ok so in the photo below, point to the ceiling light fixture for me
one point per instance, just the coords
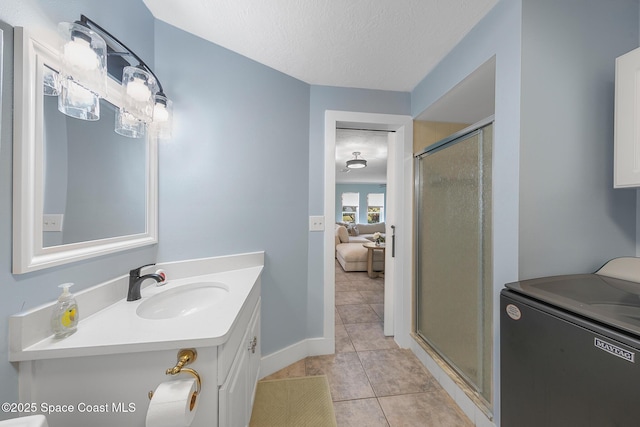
(356, 163)
(89, 53)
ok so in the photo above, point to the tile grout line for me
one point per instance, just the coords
(363, 368)
(371, 385)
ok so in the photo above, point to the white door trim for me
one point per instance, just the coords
(400, 311)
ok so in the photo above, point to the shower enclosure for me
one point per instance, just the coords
(453, 253)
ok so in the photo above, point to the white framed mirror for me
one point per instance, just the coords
(80, 190)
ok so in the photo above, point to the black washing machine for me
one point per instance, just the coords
(570, 349)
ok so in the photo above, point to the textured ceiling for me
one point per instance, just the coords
(370, 44)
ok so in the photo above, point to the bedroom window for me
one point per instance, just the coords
(375, 208)
(350, 203)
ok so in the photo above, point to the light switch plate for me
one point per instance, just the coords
(316, 223)
(52, 222)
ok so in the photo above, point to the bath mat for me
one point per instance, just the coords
(293, 402)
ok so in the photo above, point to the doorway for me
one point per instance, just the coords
(399, 212)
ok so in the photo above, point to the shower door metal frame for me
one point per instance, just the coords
(437, 146)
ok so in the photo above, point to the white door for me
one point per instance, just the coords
(390, 219)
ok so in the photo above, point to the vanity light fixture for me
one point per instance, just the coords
(356, 163)
(89, 53)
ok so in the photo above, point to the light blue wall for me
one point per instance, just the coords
(232, 179)
(341, 99)
(571, 218)
(363, 190)
(29, 290)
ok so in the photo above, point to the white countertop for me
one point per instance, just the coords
(118, 329)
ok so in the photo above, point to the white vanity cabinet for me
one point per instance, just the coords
(101, 375)
(238, 383)
(627, 121)
(112, 389)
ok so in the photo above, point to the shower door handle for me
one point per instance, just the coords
(393, 241)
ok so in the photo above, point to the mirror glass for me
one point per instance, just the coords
(80, 189)
(94, 179)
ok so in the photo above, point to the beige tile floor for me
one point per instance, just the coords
(373, 381)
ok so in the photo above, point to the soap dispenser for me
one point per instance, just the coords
(64, 320)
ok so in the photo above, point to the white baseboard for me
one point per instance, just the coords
(320, 346)
(295, 352)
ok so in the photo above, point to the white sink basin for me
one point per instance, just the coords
(30, 421)
(183, 301)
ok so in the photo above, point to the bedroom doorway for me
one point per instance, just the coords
(398, 213)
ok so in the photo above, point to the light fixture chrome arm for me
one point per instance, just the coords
(122, 50)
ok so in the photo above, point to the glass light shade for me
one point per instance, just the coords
(51, 84)
(162, 117)
(77, 101)
(139, 88)
(356, 163)
(129, 126)
(84, 58)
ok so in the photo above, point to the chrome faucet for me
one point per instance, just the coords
(135, 280)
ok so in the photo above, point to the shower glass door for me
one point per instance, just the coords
(454, 277)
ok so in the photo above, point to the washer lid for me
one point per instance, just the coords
(625, 268)
(609, 300)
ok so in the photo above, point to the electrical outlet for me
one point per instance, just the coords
(52, 222)
(316, 223)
